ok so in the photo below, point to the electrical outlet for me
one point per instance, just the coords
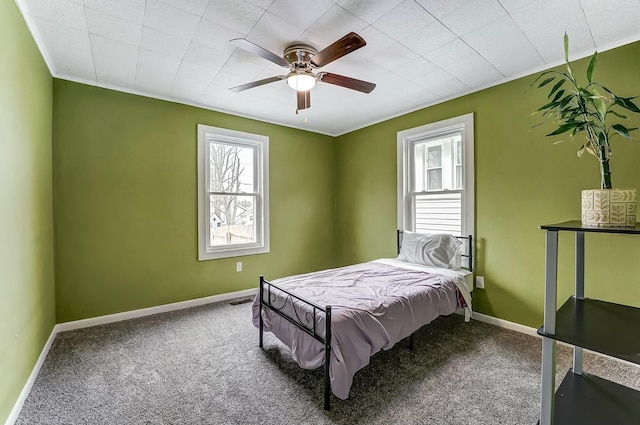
(239, 266)
(480, 282)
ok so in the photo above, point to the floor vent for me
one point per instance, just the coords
(243, 301)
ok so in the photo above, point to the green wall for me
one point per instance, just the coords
(26, 224)
(125, 199)
(523, 180)
(126, 203)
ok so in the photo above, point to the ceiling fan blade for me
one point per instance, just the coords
(348, 82)
(250, 47)
(304, 100)
(257, 83)
(345, 45)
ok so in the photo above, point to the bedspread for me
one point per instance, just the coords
(374, 305)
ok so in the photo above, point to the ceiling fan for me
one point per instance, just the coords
(302, 60)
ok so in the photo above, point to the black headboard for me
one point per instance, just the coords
(467, 254)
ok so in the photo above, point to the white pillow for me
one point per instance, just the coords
(441, 250)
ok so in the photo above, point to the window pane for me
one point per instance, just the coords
(458, 176)
(231, 168)
(458, 150)
(434, 179)
(419, 177)
(438, 213)
(434, 156)
(231, 219)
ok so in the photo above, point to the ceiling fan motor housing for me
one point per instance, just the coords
(299, 56)
(300, 76)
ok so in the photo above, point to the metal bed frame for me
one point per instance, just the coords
(309, 329)
(307, 323)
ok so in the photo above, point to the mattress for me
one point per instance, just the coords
(374, 305)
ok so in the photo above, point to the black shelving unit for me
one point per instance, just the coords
(604, 327)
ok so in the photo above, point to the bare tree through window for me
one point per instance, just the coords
(232, 194)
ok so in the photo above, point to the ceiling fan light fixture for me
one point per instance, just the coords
(303, 81)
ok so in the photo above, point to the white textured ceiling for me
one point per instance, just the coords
(418, 52)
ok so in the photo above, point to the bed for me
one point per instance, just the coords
(339, 318)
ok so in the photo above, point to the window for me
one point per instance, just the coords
(435, 177)
(233, 193)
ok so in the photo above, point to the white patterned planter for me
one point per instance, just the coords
(609, 207)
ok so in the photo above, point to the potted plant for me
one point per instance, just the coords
(590, 110)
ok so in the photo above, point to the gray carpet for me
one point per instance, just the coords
(203, 366)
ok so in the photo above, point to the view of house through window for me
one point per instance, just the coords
(435, 179)
(232, 193)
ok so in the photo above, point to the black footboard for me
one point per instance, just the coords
(302, 314)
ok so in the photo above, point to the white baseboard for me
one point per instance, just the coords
(133, 314)
(504, 324)
(17, 407)
(533, 332)
(111, 318)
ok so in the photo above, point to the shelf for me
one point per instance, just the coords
(599, 326)
(590, 400)
(576, 226)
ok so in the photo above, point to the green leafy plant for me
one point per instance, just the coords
(587, 109)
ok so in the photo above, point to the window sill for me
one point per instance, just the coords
(231, 252)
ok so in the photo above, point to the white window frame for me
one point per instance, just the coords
(407, 139)
(261, 178)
